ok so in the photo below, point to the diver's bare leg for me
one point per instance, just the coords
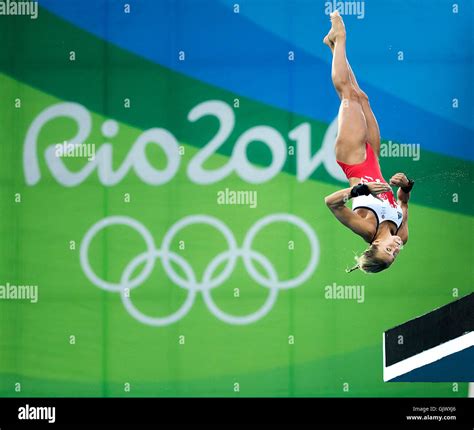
(352, 125)
(373, 130)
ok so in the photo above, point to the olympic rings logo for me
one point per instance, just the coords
(208, 282)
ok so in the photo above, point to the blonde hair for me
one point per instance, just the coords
(368, 262)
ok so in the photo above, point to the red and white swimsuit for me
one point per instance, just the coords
(369, 171)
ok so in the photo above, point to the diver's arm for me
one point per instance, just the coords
(336, 202)
(405, 186)
(338, 199)
(403, 230)
(403, 194)
(403, 197)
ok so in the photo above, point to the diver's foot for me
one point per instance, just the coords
(338, 29)
(329, 43)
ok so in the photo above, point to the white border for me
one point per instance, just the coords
(426, 357)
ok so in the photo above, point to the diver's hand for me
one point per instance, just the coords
(377, 188)
(399, 180)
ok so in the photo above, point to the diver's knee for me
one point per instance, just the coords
(362, 96)
(350, 95)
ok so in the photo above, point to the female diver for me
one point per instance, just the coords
(375, 216)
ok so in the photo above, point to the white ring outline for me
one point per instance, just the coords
(157, 321)
(244, 319)
(269, 219)
(199, 219)
(105, 222)
(192, 285)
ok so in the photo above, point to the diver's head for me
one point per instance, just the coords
(379, 256)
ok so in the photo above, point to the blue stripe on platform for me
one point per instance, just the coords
(457, 367)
